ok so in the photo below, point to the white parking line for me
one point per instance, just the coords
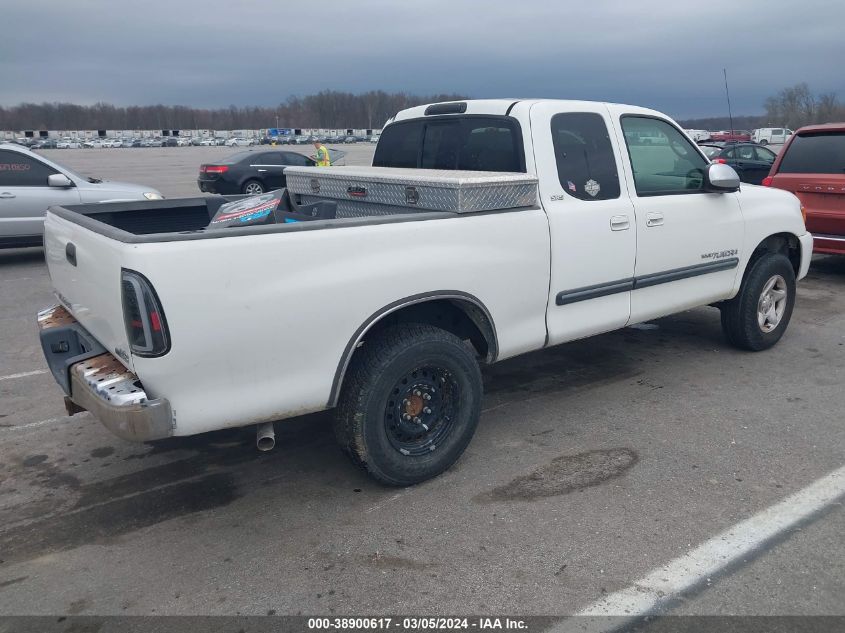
(664, 584)
(24, 374)
(385, 502)
(32, 425)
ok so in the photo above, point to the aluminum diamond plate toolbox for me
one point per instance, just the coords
(426, 189)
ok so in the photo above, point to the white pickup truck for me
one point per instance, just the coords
(166, 328)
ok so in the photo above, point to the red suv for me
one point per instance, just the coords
(812, 166)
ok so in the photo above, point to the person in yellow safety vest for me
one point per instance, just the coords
(321, 158)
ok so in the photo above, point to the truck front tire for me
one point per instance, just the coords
(410, 403)
(758, 316)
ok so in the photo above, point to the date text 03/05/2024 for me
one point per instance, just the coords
(417, 623)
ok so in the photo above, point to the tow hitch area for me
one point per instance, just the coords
(96, 381)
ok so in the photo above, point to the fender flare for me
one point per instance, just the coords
(486, 326)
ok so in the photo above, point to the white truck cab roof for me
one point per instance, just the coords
(506, 106)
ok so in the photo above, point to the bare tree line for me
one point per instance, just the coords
(327, 109)
(792, 107)
(796, 106)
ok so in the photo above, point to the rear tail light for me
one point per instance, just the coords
(721, 161)
(216, 169)
(146, 327)
(767, 181)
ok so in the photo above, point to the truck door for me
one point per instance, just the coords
(688, 242)
(591, 219)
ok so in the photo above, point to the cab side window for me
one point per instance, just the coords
(18, 170)
(663, 160)
(586, 163)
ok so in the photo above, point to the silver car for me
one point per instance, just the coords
(29, 183)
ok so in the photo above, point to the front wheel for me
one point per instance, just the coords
(764, 142)
(758, 316)
(410, 403)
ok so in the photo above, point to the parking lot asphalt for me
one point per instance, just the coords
(174, 170)
(595, 463)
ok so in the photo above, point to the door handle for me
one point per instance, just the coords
(262, 170)
(619, 223)
(6, 195)
(653, 219)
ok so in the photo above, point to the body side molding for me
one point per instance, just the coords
(645, 281)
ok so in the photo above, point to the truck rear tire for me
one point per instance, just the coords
(410, 403)
(758, 316)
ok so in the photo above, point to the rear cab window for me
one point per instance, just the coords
(472, 142)
(815, 153)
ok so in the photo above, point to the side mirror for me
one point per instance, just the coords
(59, 180)
(720, 178)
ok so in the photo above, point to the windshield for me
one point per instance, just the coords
(75, 175)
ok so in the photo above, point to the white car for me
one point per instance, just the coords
(698, 135)
(208, 142)
(94, 143)
(239, 142)
(29, 183)
(68, 143)
(550, 221)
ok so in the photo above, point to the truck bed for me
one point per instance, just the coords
(362, 195)
(187, 218)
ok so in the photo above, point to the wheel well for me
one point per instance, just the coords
(462, 318)
(784, 243)
(466, 318)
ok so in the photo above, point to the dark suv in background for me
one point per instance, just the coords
(812, 166)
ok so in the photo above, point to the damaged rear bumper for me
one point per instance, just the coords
(96, 381)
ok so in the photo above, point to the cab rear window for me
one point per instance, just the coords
(815, 154)
(478, 143)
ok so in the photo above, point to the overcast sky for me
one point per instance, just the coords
(665, 54)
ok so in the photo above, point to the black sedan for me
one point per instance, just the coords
(752, 162)
(251, 173)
